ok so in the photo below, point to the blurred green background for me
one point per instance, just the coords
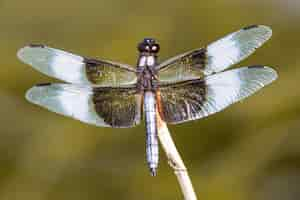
(249, 151)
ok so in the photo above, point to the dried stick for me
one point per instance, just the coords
(175, 160)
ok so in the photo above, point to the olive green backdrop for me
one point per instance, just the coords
(249, 151)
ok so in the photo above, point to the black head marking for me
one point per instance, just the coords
(148, 45)
(250, 27)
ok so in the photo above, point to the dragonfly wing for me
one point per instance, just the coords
(76, 69)
(195, 99)
(107, 107)
(216, 57)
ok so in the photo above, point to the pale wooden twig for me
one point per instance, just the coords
(175, 160)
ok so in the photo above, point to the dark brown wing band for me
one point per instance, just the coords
(118, 107)
(182, 101)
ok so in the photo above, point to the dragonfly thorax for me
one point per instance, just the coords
(146, 72)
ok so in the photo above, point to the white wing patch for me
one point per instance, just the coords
(219, 53)
(68, 67)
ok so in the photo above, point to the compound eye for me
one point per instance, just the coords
(147, 48)
(141, 47)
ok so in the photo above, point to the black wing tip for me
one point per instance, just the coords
(264, 27)
(43, 84)
(36, 45)
(256, 67)
(251, 27)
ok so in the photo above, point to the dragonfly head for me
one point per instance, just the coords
(148, 45)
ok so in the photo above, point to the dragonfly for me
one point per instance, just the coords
(186, 87)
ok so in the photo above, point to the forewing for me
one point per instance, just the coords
(76, 69)
(216, 57)
(195, 99)
(107, 107)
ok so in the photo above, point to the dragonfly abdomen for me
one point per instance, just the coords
(151, 131)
